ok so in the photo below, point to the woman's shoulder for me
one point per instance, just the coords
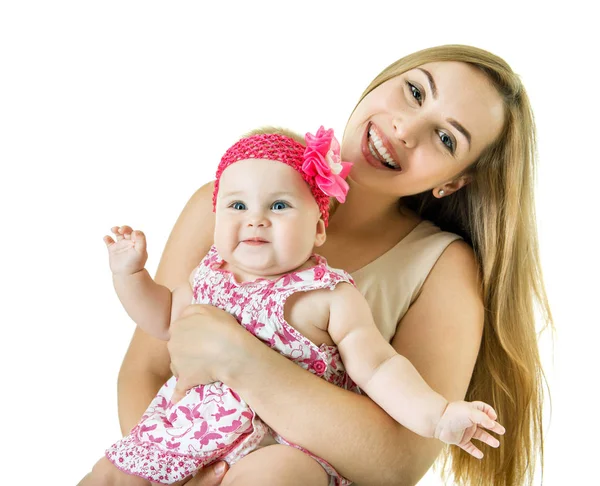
(456, 272)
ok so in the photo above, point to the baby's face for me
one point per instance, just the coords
(267, 221)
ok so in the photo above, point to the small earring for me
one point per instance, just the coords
(441, 192)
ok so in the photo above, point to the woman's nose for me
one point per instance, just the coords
(407, 130)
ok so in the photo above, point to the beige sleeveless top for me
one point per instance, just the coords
(392, 282)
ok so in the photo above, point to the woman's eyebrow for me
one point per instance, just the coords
(461, 129)
(432, 85)
(452, 122)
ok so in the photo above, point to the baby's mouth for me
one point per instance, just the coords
(379, 151)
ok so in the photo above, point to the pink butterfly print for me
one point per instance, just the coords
(235, 425)
(163, 403)
(166, 422)
(172, 445)
(214, 393)
(254, 326)
(202, 436)
(285, 336)
(245, 301)
(312, 359)
(233, 300)
(147, 428)
(248, 414)
(222, 413)
(228, 286)
(290, 278)
(191, 414)
(269, 307)
(156, 440)
(200, 391)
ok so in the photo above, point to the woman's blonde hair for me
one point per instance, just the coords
(495, 213)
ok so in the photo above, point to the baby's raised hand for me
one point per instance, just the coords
(463, 421)
(127, 255)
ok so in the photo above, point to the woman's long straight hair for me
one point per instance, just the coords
(495, 213)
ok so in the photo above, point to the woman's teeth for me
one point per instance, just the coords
(378, 151)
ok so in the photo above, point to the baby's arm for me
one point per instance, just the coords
(151, 306)
(391, 380)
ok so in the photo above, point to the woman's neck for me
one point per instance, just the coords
(366, 212)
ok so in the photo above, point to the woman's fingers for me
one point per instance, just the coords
(210, 475)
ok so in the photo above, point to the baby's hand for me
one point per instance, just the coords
(127, 255)
(463, 421)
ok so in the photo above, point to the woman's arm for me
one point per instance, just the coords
(440, 335)
(146, 365)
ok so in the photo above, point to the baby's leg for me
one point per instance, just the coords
(276, 465)
(104, 473)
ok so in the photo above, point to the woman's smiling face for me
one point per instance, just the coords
(422, 128)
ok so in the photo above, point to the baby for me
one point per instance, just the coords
(271, 200)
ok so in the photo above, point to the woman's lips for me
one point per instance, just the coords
(369, 157)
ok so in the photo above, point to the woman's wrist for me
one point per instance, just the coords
(237, 355)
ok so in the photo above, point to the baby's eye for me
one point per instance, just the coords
(238, 206)
(279, 205)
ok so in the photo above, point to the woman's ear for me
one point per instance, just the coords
(452, 186)
(321, 236)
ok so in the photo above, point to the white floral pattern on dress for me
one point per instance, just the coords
(212, 422)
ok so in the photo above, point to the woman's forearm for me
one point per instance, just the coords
(348, 430)
(135, 391)
(144, 370)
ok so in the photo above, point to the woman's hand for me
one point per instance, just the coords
(206, 344)
(209, 476)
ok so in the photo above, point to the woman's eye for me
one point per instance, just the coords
(238, 206)
(279, 205)
(447, 141)
(416, 92)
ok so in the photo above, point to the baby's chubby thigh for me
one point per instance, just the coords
(276, 465)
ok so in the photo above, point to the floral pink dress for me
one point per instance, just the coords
(212, 422)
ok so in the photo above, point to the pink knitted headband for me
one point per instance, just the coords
(318, 163)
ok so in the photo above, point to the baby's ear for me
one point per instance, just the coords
(321, 236)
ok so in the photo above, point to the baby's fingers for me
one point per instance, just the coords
(483, 420)
(471, 449)
(139, 240)
(122, 232)
(485, 408)
(486, 438)
(108, 241)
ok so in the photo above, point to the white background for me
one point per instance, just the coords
(114, 112)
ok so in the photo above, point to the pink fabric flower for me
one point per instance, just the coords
(323, 162)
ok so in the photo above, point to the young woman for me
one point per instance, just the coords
(438, 232)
